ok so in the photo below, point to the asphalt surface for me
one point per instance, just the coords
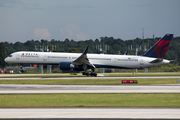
(87, 113)
(100, 77)
(11, 88)
(135, 113)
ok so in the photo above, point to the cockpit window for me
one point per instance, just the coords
(10, 55)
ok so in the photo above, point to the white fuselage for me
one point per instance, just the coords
(98, 60)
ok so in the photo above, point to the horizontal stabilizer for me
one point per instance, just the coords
(158, 60)
(171, 61)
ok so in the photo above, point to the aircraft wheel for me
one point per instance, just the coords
(94, 74)
(83, 73)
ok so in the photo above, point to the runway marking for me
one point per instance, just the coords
(167, 113)
(10, 88)
(71, 78)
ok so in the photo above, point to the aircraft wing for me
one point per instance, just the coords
(83, 60)
(126, 53)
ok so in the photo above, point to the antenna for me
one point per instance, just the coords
(143, 37)
(143, 33)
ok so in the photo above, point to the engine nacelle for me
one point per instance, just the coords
(66, 66)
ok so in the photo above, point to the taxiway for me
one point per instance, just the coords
(14, 88)
(150, 113)
(100, 77)
(134, 113)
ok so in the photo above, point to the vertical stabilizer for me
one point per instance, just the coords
(160, 48)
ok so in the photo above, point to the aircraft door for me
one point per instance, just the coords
(18, 57)
(115, 60)
(141, 62)
(45, 57)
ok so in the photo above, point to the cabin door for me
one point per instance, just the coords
(141, 62)
(115, 60)
(45, 57)
(18, 57)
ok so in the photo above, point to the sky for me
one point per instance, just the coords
(22, 20)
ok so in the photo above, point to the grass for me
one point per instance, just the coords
(145, 74)
(106, 74)
(89, 100)
(91, 81)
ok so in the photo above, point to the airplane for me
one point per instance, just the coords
(84, 62)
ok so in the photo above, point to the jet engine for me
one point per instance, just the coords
(66, 66)
(69, 66)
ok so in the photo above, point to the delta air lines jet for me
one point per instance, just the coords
(84, 61)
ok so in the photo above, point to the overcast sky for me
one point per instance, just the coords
(22, 20)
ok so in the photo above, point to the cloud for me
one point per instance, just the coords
(42, 33)
(72, 31)
(82, 36)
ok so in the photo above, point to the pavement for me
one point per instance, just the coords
(104, 113)
(135, 113)
(100, 77)
(15, 88)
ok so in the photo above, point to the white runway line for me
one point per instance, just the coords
(10, 88)
(168, 113)
(71, 78)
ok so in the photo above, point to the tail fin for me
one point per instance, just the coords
(160, 48)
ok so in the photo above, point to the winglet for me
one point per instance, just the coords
(85, 51)
(126, 53)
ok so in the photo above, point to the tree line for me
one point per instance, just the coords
(107, 45)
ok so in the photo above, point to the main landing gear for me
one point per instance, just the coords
(89, 74)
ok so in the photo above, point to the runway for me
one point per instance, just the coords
(100, 77)
(12, 89)
(127, 113)
(142, 113)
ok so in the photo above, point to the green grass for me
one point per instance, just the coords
(91, 81)
(106, 74)
(145, 74)
(89, 100)
(39, 75)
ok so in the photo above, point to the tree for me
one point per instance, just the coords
(2, 54)
(73, 50)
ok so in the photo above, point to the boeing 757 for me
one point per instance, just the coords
(84, 62)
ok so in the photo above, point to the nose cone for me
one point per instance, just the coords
(6, 60)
